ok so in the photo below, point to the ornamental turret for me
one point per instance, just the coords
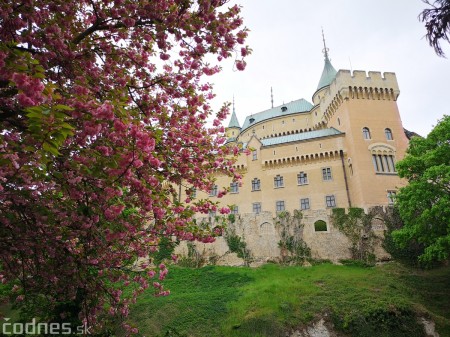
(233, 128)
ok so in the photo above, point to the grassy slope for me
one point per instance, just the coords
(267, 301)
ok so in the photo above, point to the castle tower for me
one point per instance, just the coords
(364, 107)
(233, 128)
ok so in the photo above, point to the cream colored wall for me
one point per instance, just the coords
(322, 153)
(293, 123)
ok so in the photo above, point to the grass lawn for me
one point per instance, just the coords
(270, 300)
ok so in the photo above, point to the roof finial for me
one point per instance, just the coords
(271, 96)
(325, 49)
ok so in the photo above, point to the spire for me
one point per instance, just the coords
(234, 123)
(325, 49)
(328, 73)
(271, 95)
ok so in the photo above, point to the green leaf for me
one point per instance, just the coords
(63, 107)
(50, 148)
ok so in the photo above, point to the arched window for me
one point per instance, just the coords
(388, 134)
(366, 133)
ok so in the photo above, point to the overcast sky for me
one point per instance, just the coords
(381, 35)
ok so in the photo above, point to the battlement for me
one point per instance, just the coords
(360, 78)
(358, 84)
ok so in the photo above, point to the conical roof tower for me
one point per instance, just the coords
(233, 128)
(328, 73)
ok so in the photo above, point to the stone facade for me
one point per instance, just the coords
(262, 234)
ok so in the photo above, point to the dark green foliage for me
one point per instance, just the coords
(194, 259)
(424, 204)
(165, 249)
(320, 226)
(357, 226)
(381, 322)
(237, 245)
(262, 326)
(293, 249)
(407, 254)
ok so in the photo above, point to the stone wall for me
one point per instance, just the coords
(262, 235)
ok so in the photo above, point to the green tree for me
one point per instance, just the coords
(424, 204)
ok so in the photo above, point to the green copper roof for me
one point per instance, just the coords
(300, 136)
(234, 123)
(299, 105)
(328, 74)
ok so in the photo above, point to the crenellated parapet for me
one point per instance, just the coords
(357, 85)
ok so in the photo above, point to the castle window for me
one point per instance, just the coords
(388, 134)
(320, 226)
(278, 181)
(256, 184)
(234, 187)
(366, 133)
(256, 207)
(213, 191)
(251, 120)
(339, 121)
(255, 154)
(391, 197)
(302, 178)
(279, 206)
(383, 163)
(326, 174)
(283, 108)
(193, 193)
(304, 204)
(234, 209)
(330, 201)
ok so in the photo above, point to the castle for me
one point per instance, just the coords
(338, 151)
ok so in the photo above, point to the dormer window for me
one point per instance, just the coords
(283, 108)
(251, 120)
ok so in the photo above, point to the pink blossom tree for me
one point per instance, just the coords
(103, 110)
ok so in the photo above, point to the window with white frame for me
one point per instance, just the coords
(256, 184)
(255, 154)
(256, 207)
(279, 206)
(326, 174)
(302, 178)
(278, 181)
(330, 201)
(366, 133)
(234, 187)
(234, 209)
(304, 203)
